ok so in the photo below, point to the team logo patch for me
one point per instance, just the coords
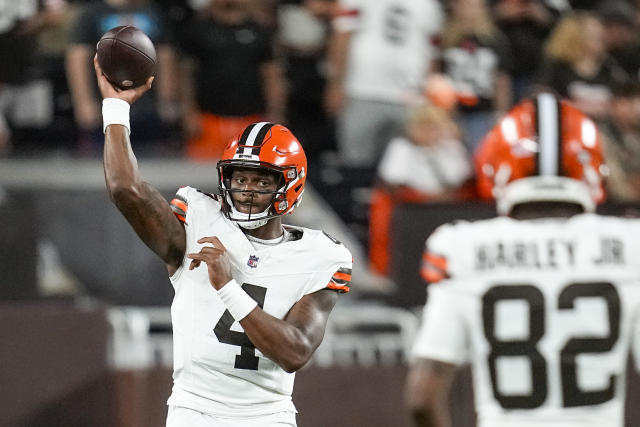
(253, 261)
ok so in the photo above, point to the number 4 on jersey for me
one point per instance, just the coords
(247, 358)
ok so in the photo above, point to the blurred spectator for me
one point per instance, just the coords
(303, 37)
(25, 93)
(380, 53)
(576, 65)
(265, 12)
(589, 5)
(231, 77)
(621, 36)
(526, 25)
(96, 19)
(622, 143)
(179, 12)
(428, 163)
(476, 57)
(441, 92)
(52, 47)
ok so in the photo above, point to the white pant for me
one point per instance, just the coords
(184, 417)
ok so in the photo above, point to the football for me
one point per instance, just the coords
(127, 56)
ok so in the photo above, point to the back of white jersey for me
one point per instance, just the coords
(391, 46)
(544, 310)
(217, 369)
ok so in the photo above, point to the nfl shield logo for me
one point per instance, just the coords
(253, 261)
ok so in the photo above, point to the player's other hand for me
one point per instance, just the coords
(109, 91)
(217, 260)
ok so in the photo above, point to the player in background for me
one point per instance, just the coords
(542, 301)
(252, 295)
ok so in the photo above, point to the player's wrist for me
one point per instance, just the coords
(238, 302)
(115, 111)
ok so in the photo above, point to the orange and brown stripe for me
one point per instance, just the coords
(434, 268)
(340, 280)
(179, 207)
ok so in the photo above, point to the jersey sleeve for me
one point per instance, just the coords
(188, 196)
(334, 272)
(340, 280)
(443, 334)
(180, 205)
(436, 264)
(191, 207)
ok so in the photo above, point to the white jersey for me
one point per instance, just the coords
(545, 311)
(217, 370)
(391, 46)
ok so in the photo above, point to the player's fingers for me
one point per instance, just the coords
(150, 82)
(208, 239)
(194, 264)
(96, 65)
(219, 243)
(208, 250)
(215, 242)
(199, 256)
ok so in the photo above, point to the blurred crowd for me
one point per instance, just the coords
(401, 91)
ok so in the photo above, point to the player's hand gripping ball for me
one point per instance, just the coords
(127, 57)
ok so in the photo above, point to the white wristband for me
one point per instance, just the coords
(115, 112)
(238, 302)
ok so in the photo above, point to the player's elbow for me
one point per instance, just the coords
(294, 362)
(297, 357)
(123, 194)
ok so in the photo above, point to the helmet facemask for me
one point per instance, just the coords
(278, 196)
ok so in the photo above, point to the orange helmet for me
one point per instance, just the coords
(544, 149)
(272, 148)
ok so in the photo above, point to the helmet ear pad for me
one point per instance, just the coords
(547, 139)
(274, 149)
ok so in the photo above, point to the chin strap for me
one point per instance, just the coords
(242, 219)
